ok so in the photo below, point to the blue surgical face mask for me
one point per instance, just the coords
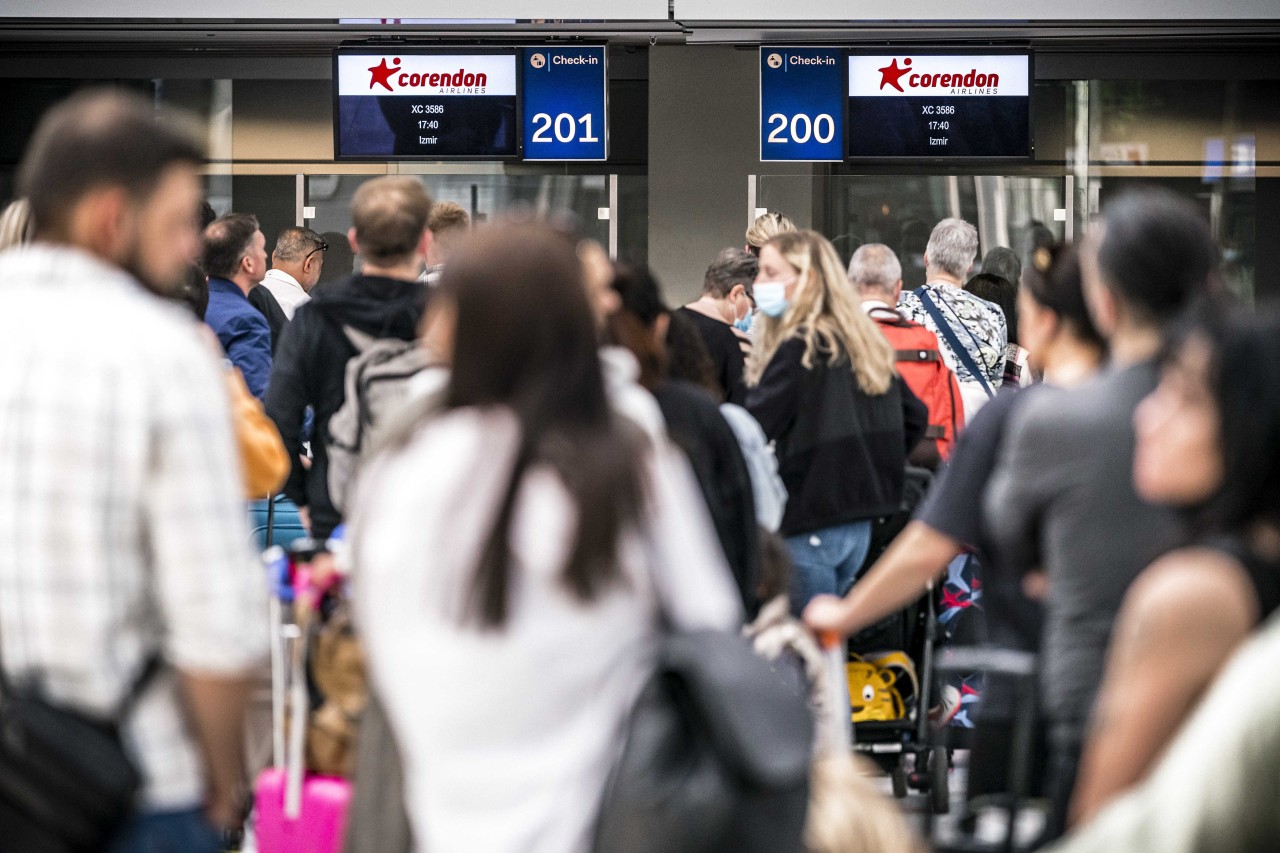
(743, 323)
(771, 297)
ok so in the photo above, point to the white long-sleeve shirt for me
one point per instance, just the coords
(508, 736)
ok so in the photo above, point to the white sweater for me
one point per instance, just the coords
(508, 736)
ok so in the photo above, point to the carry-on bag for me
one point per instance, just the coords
(295, 811)
(66, 783)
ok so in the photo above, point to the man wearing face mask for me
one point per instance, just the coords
(723, 315)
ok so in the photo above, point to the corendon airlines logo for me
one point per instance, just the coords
(892, 75)
(383, 75)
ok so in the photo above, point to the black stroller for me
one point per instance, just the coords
(915, 631)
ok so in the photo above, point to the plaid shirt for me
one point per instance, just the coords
(122, 531)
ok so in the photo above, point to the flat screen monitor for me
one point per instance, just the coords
(935, 105)
(426, 104)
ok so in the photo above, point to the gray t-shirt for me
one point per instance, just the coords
(1062, 500)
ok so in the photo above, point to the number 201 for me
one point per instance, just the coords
(802, 128)
(565, 127)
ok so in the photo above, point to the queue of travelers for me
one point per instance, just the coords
(577, 473)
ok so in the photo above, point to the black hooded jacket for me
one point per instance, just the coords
(310, 367)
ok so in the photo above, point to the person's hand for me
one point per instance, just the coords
(304, 515)
(1035, 586)
(324, 570)
(224, 810)
(826, 613)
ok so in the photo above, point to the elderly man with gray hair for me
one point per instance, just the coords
(296, 263)
(971, 331)
(877, 274)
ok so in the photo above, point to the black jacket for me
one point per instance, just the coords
(265, 302)
(841, 453)
(310, 369)
(697, 427)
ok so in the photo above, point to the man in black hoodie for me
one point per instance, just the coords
(389, 232)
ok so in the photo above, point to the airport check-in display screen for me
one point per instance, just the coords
(492, 104)
(893, 106)
(427, 105)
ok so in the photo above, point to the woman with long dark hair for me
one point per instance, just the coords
(1208, 443)
(823, 384)
(510, 556)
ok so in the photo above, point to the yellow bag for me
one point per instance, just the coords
(875, 692)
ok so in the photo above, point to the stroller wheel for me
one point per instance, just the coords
(899, 778)
(939, 785)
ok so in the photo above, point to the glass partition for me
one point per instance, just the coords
(900, 210)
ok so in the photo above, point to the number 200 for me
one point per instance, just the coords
(821, 128)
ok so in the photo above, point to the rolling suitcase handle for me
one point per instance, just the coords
(841, 709)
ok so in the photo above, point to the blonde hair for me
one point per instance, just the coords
(767, 226)
(16, 225)
(848, 814)
(827, 314)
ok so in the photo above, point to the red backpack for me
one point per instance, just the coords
(926, 374)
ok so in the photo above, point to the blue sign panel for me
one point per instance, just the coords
(565, 112)
(802, 102)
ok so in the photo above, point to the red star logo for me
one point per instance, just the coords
(891, 74)
(381, 73)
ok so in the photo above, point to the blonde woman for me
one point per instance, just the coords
(767, 226)
(16, 225)
(823, 385)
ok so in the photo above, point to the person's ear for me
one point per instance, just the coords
(352, 241)
(104, 221)
(424, 244)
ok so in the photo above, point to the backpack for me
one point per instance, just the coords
(380, 378)
(921, 366)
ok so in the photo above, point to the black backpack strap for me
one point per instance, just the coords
(150, 669)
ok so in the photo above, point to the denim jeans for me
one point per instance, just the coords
(168, 832)
(826, 561)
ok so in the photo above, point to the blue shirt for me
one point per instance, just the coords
(243, 332)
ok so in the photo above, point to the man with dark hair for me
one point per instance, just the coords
(386, 300)
(722, 316)
(1063, 493)
(1004, 262)
(233, 255)
(449, 223)
(125, 566)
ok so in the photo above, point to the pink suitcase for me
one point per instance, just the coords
(294, 811)
(322, 817)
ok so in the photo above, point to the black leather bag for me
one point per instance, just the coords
(66, 782)
(716, 756)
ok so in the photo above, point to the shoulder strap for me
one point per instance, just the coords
(150, 669)
(950, 334)
(141, 682)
